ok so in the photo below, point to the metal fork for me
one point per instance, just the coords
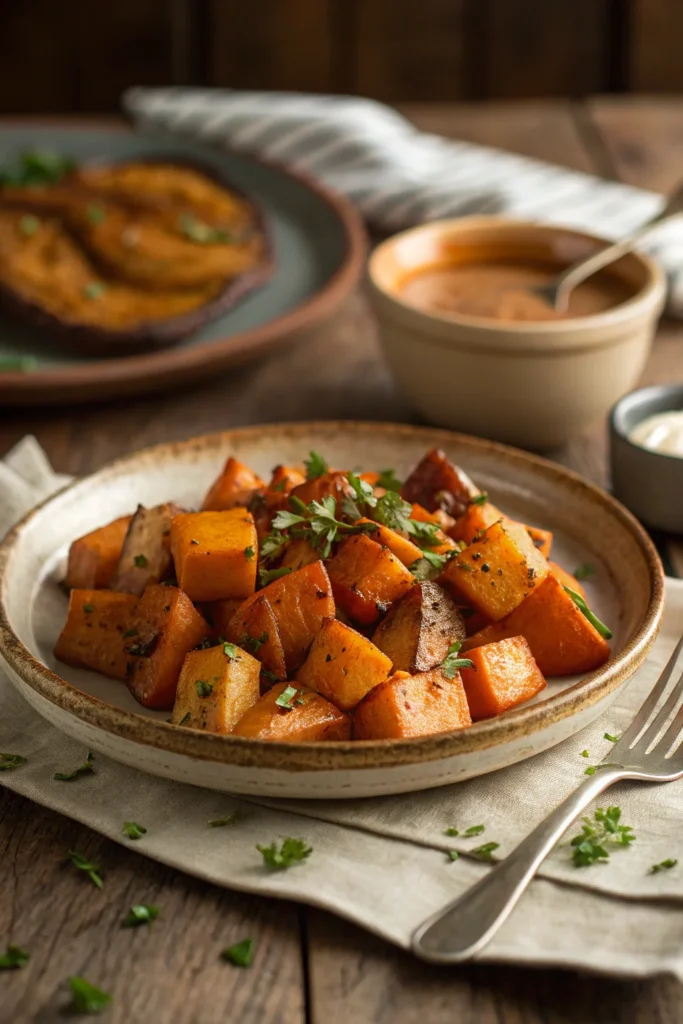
(465, 926)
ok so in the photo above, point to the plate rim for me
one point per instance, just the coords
(338, 755)
(154, 370)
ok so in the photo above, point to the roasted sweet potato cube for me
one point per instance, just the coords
(474, 520)
(562, 640)
(543, 539)
(216, 687)
(95, 633)
(416, 705)
(218, 614)
(403, 549)
(257, 631)
(436, 483)
(236, 486)
(497, 571)
(300, 602)
(94, 557)
(335, 483)
(566, 579)
(299, 553)
(419, 629)
(285, 478)
(168, 626)
(306, 717)
(366, 579)
(215, 554)
(146, 553)
(444, 543)
(343, 665)
(504, 675)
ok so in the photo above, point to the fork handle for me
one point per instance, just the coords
(465, 926)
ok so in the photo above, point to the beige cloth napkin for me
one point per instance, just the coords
(383, 862)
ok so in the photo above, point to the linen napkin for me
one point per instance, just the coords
(399, 176)
(384, 863)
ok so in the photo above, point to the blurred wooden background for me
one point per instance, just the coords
(79, 55)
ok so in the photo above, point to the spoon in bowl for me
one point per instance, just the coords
(556, 292)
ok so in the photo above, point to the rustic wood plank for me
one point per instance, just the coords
(409, 51)
(171, 971)
(655, 46)
(81, 62)
(270, 45)
(355, 977)
(643, 137)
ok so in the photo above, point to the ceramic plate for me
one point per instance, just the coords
(319, 247)
(589, 526)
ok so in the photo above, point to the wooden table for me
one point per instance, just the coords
(309, 967)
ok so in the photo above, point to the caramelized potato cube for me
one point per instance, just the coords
(215, 689)
(418, 705)
(146, 553)
(94, 557)
(94, 634)
(307, 718)
(257, 631)
(562, 640)
(497, 571)
(236, 486)
(168, 627)
(215, 554)
(342, 665)
(475, 520)
(403, 549)
(300, 601)
(436, 483)
(366, 579)
(419, 629)
(504, 675)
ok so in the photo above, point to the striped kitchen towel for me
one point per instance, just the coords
(398, 176)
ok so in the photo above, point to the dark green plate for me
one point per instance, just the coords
(319, 247)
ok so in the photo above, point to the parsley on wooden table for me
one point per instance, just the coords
(83, 769)
(86, 997)
(451, 663)
(291, 851)
(10, 761)
(132, 830)
(88, 867)
(241, 954)
(139, 914)
(13, 958)
(597, 834)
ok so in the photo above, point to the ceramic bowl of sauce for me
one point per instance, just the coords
(475, 349)
(646, 455)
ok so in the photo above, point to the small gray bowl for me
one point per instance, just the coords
(648, 483)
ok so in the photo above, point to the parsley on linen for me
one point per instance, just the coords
(291, 851)
(664, 865)
(83, 769)
(229, 819)
(597, 834)
(484, 852)
(10, 761)
(132, 830)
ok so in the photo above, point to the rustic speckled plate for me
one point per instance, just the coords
(627, 591)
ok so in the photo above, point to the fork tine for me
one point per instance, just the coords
(660, 719)
(671, 735)
(640, 721)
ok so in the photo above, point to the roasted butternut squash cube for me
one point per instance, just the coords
(400, 546)
(543, 539)
(418, 705)
(257, 631)
(566, 579)
(167, 627)
(419, 629)
(335, 483)
(299, 553)
(562, 640)
(504, 674)
(215, 554)
(497, 571)
(146, 553)
(366, 579)
(94, 557)
(475, 520)
(285, 478)
(444, 544)
(96, 632)
(300, 601)
(216, 687)
(436, 483)
(306, 718)
(342, 665)
(235, 487)
(218, 614)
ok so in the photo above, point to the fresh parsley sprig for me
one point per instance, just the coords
(291, 851)
(132, 830)
(315, 466)
(451, 663)
(597, 834)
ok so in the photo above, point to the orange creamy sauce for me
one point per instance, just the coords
(502, 291)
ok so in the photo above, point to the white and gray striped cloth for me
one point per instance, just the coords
(398, 176)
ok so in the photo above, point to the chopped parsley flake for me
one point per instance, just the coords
(87, 608)
(474, 830)
(83, 769)
(583, 572)
(229, 819)
(453, 854)
(585, 753)
(249, 552)
(253, 643)
(28, 225)
(480, 499)
(485, 851)
(94, 290)
(597, 834)
(10, 761)
(664, 865)
(612, 739)
(88, 867)
(602, 629)
(132, 830)
(286, 698)
(203, 688)
(87, 998)
(96, 213)
(139, 914)
(266, 576)
(13, 958)
(451, 663)
(185, 719)
(141, 561)
(292, 851)
(229, 650)
(241, 954)
(452, 832)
